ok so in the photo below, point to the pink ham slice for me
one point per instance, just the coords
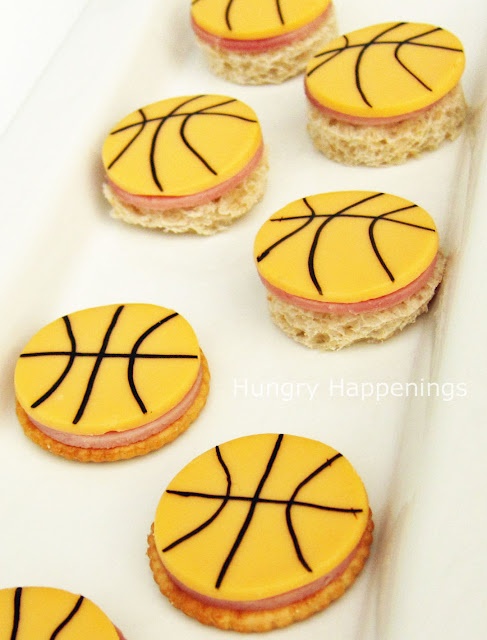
(121, 438)
(262, 44)
(340, 308)
(164, 203)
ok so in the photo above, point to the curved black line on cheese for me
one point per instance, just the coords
(152, 154)
(309, 219)
(279, 12)
(133, 354)
(16, 618)
(403, 65)
(69, 364)
(129, 144)
(314, 245)
(250, 514)
(68, 618)
(361, 54)
(217, 512)
(292, 503)
(374, 243)
(97, 365)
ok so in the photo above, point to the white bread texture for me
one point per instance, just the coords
(273, 66)
(378, 145)
(205, 219)
(330, 332)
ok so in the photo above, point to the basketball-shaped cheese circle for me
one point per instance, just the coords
(31, 613)
(109, 368)
(385, 70)
(255, 19)
(345, 246)
(181, 146)
(260, 516)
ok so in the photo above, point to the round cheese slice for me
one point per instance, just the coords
(31, 613)
(259, 517)
(385, 70)
(255, 19)
(346, 246)
(107, 369)
(182, 146)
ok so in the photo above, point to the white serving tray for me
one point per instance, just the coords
(421, 455)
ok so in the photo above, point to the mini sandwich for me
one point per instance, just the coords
(260, 532)
(191, 164)
(111, 382)
(261, 41)
(348, 266)
(386, 93)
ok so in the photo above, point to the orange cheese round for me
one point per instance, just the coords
(255, 19)
(31, 613)
(181, 146)
(109, 368)
(259, 516)
(345, 246)
(385, 70)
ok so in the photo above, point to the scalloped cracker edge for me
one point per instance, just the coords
(265, 620)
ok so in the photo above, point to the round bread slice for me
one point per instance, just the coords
(111, 383)
(386, 93)
(259, 41)
(260, 532)
(331, 331)
(30, 613)
(190, 164)
(346, 267)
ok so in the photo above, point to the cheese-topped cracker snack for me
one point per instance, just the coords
(111, 382)
(260, 532)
